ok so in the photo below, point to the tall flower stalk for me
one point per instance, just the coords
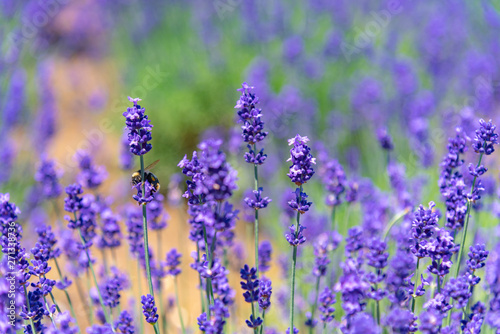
(299, 173)
(252, 132)
(139, 136)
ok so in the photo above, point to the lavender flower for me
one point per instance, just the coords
(458, 290)
(139, 128)
(477, 257)
(423, 228)
(334, 180)
(385, 140)
(430, 322)
(301, 170)
(265, 292)
(401, 321)
(149, 309)
(90, 176)
(124, 323)
(326, 300)
(295, 237)
(157, 216)
(265, 252)
(173, 262)
(321, 252)
(250, 284)
(300, 203)
(214, 324)
(250, 116)
(48, 176)
(485, 138)
(259, 202)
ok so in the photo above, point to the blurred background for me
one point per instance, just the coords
(335, 71)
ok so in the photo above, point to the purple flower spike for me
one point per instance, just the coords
(385, 140)
(294, 238)
(47, 175)
(300, 202)
(173, 262)
(477, 257)
(265, 252)
(139, 129)
(326, 301)
(259, 202)
(252, 126)
(301, 169)
(265, 292)
(485, 138)
(149, 309)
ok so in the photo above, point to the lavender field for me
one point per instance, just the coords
(230, 166)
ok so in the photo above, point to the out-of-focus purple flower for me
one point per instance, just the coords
(292, 48)
(111, 233)
(362, 323)
(90, 176)
(385, 139)
(354, 240)
(126, 157)
(15, 98)
(111, 291)
(334, 180)
(485, 138)
(321, 251)
(295, 330)
(7, 155)
(353, 287)
(173, 262)
(47, 175)
(401, 321)
(301, 170)
(125, 323)
(265, 253)
(430, 322)
(149, 309)
(458, 290)
(214, 324)
(139, 128)
(157, 216)
(45, 124)
(326, 301)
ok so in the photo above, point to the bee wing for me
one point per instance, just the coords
(152, 165)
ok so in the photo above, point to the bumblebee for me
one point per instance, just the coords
(150, 177)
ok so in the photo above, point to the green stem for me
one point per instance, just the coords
(313, 309)
(394, 220)
(294, 263)
(67, 296)
(415, 287)
(253, 313)
(163, 315)
(101, 300)
(178, 305)
(146, 244)
(104, 261)
(29, 310)
(263, 319)
(256, 224)
(201, 282)
(139, 285)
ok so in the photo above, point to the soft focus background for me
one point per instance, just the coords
(336, 71)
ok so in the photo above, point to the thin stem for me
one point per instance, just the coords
(394, 220)
(163, 315)
(256, 224)
(104, 261)
(48, 310)
(201, 282)
(253, 313)
(139, 285)
(29, 310)
(294, 263)
(145, 232)
(415, 287)
(101, 300)
(208, 280)
(313, 309)
(178, 305)
(263, 319)
(67, 296)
